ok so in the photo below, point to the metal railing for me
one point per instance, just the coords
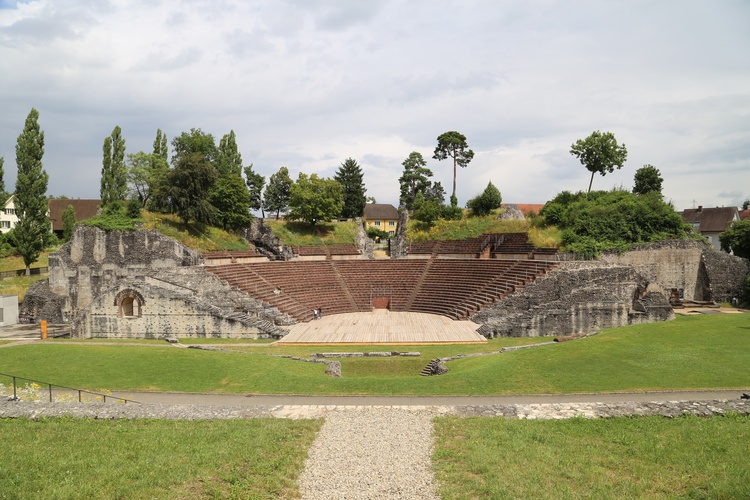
(62, 387)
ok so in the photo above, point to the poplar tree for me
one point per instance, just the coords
(158, 200)
(114, 183)
(31, 192)
(229, 159)
(3, 192)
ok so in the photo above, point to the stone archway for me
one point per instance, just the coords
(129, 303)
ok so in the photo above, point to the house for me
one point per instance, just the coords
(84, 209)
(744, 214)
(710, 222)
(525, 208)
(381, 216)
(8, 217)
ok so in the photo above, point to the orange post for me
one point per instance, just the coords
(43, 324)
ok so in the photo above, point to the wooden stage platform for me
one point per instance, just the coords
(383, 327)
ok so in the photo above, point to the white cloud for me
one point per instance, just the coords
(307, 84)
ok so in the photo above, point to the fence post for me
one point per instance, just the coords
(15, 397)
(43, 324)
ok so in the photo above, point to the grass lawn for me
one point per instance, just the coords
(89, 458)
(639, 457)
(699, 352)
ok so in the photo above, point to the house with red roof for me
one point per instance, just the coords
(711, 222)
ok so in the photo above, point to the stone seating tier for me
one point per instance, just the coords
(456, 288)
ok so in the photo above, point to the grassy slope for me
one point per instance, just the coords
(688, 353)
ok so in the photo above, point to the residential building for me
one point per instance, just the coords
(84, 209)
(711, 222)
(381, 216)
(8, 217)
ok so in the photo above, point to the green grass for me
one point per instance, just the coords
(639, 457)
(19, 285)
(88, 458)
(699, 352)
(198, 236)
(468, 227)
(323, 233)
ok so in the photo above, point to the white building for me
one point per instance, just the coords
(8, 218)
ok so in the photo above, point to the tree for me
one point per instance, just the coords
(647, 180)
(736, 238)
(231, 199)
(114, 184)
(196, 141)
(278, 191)
(3, 193)
(350, 175)
(188, 187)
(745, 204)
(229, 159)
(599, 153)
(314, 199)
(139, 175)
(489, 200)
(31, 190)
(255, 183)
(453, 145)
(68, 222)
(427, 211)
(435, 192)
(158, 200)
(415, 179)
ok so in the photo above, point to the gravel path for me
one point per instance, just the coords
(372, 452)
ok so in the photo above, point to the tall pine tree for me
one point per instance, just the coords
(31, 192)
(349, 175)
(114, 183)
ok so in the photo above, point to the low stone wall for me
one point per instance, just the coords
(114, 411)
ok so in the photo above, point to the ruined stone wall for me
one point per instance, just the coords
(698, 269)
(364, 243)
(398, 244)
(159, 312)
(265, 242)
(575, 297)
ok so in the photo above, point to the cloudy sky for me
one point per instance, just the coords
(308, 83)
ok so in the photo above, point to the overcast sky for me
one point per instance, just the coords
(308, 83)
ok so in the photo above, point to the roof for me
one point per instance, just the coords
(525, 207)
(380, 211)
(710, 220)
(745, 214)
(84, 209)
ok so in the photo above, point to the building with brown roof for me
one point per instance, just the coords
(381, 216)
(744, 214)
(710, 222)
(84, 209)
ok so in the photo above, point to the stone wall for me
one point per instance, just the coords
(142, 284)
(265, 242)
(398, 244)
(698, 269)
(576, 297)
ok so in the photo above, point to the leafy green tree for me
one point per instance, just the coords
(196, 141)
(156, 178)
(736, 238)
(188, 187)
(139, 175)
(229, 159)
(647, 180)
(31, 192)
(745, 204)
(114, 184)
(415, 179)
(453, 145)
(278, 191)
(255, 183)
(68, 222)
(612, 220)
(231, 199)
(3, 193)
(161, 150)
(314, 199)
(599, 153)
(489, 200)
(350, 176)
(427, 211)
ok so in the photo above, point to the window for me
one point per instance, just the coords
(377, 223)
(391, 223)
(10, 211)
(5, 223)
